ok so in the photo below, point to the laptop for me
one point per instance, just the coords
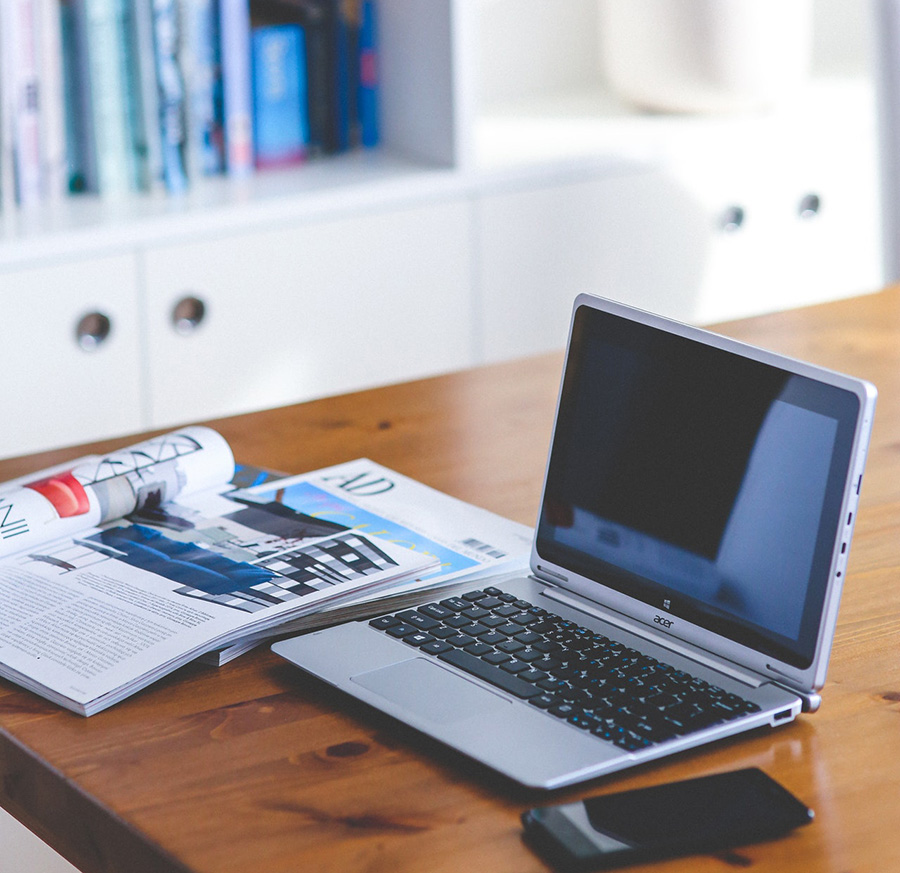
(687, 563)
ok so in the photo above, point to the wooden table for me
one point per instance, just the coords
(253, 768)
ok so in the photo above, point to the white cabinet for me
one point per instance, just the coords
(308, 310)
(57, 388)
(633, 235)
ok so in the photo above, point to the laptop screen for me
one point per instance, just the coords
(699, 481)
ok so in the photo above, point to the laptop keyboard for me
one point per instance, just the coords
(570, 672)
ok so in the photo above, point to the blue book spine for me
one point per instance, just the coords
(171, 94)
(280, 127)
(367, 99)
(201, 66)
(234, 23)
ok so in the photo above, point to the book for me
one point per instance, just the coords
(319, 20)
(144, 90)
(104, 28)
(81, 147)
(116, 570)
(52, 102)
(280, 127)
(20, 32)
(468, 541)
(367, 94)
(201, 66)
(171, 94)
(234, 30)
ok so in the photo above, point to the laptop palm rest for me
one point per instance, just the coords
(433, 693)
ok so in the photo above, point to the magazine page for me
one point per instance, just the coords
(89, 619)
(93, 490)
(465, 540)
(468, 542)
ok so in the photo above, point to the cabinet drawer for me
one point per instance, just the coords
(69, 353)
(636, 237)
(294, 313)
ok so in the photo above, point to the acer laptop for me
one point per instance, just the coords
(686, 568)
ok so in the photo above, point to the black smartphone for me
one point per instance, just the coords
(707, 814)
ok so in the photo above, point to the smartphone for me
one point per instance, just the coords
(708, 814)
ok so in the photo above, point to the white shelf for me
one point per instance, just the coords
(88, 224)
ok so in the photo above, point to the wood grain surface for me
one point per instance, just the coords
(253, 767)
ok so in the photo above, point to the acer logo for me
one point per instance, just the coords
(665, 622)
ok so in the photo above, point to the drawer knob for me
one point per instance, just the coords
(809, 206)
(188, 314)
(92, 330)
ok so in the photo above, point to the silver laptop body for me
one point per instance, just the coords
(697, 507)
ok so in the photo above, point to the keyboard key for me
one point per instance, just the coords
(473, 596)
(412, 616)
(513, 666)
(493, 620)
(551, 684)
(524, 619)
(477, 667)
(510, 646)
(457, 621)
(563, 710)
(383, 622)
(496, 657)
(545, 663)
(401, 630)
(435, 610)
(418, 639)
(438, 647)
(478, 649)
(455, 604)
(460, 640)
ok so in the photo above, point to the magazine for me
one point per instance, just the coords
(116, 570)
(467, 541)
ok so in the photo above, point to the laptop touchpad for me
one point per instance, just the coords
(426, 688)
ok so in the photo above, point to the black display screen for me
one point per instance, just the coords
(698, 480)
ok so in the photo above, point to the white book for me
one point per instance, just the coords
(52, 101)
(234, 20)
(20, 28)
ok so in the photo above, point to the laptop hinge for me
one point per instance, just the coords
(754, 680)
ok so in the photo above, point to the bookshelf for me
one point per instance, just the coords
(508, 180)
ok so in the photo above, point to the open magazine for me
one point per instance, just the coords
(116, 570)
